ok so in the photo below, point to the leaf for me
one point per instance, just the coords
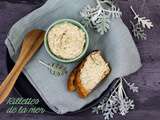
(123, 107)
(115, 12)
(102, 24)
(55, 68)
(95, 110)
(108, 115)
(131, 104)
(113, 99)
(101, 106)
(85, 12)
(88, 11)
(107, 3)
(99, 17)
(110, 2)
(146, 23)
(138, 31)
(86, 22)
(133, 87)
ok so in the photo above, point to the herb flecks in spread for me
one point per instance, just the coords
(66, 40)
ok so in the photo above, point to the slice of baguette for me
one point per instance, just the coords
(88, 74)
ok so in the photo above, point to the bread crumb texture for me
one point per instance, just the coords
(94, 70)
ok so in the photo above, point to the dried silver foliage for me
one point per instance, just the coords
(146, 23)
(109, 2)
(138, 31)
(118, 101)
(98, 17)
(142, 23)
(131, 86)
(102, 24)
(55, 68)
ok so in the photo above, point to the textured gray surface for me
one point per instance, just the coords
(148, 78)
(117, 42)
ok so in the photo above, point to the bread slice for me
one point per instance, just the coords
(88, 74)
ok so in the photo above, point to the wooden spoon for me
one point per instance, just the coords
(32, 41)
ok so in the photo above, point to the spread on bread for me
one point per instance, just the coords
(66, 40)
(88, 74)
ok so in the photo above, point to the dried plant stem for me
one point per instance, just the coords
(133, 11)
(125, 81)
(43, 63)
(55, 68)
(114, 89)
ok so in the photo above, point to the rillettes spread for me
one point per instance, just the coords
(66, 40)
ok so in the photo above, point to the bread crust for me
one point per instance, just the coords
(72, 77)
(74, 82)
(82, 92)
(71, 81)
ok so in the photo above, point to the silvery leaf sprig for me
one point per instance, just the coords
(146, 23)
(118, 101)
(138, 31)
(99, 17)
(108, 2)
(55, 68)
(139, 27)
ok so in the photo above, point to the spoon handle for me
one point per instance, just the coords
(32, 42)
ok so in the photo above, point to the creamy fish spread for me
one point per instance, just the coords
(66, 40)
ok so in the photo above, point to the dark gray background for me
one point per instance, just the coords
(147, 78)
